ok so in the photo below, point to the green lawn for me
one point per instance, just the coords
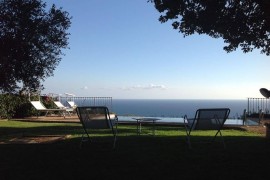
(164, 156)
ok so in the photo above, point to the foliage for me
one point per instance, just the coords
(18, 106)
(31, 40)
(23, 108)
(244, 24)
(8, 105)
(48, 102)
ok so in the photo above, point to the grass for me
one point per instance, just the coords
(164, 156)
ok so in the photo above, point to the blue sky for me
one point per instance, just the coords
(120, 49)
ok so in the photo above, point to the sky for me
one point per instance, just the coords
(119, 49)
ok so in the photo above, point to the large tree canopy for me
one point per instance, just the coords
(31, 43)
(241, 23)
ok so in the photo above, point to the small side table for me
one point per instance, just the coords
(147, 120)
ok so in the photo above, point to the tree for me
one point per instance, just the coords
(31, 43)
(241, 23)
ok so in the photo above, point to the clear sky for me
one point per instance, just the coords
(119, 49)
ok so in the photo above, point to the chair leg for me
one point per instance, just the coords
(68, 113)
(188, 131)
(83, 138)
(188, 142)
(62, 113)
(219, 132)
(114, 131)
(188, 139)
(114, 141)
(81, 141)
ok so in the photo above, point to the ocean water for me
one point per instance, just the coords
(174, 108)
(168, 110)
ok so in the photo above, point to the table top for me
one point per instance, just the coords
(146, 119)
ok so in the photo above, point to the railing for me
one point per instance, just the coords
(255, 105)
(88, 101)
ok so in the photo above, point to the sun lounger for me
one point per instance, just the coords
(72, 104)
(61, 106)
(41, 108)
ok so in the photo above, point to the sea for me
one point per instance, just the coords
(174, 107)
(170, 110)
(173, 110)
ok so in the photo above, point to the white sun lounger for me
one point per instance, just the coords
(41, 108)
(72, 104)
(61, 106)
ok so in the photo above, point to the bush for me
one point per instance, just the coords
(8, 105)
(19, 106)
(48, 102)
(23, 108)
(14, 105)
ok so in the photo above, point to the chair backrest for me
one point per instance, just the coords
(210, 119)
(59, 104)
(38, 105)
(71, 103)
(95, 117)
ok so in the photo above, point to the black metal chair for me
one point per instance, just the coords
(97, 117)
(207, 119)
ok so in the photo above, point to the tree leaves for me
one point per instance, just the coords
(242, 24)
(31, 43)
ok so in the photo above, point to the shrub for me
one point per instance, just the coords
(8, 105)
(47, 101)
(23, 108)
(14, 105)
(19, 106)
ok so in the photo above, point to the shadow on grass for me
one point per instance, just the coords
(141, 157)
(135, 157)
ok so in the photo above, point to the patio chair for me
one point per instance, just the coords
(97, 117)
(61, 106)
(41, 108)
(207, 119)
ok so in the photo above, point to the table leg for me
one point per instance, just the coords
(154, 127)
(140, 127)
(137, 127)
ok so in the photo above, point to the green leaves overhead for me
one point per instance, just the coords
(241, 23)
(31, 43)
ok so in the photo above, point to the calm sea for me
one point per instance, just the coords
(174, 108)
